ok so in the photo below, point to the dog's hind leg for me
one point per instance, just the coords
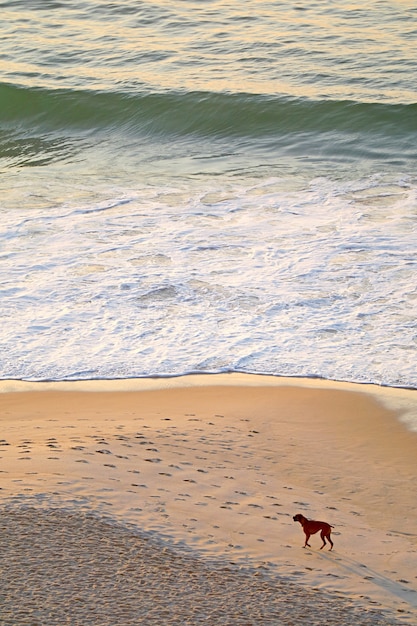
(325, 536)
(307, 538)
(330, 541)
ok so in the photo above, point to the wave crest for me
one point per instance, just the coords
(201, 113)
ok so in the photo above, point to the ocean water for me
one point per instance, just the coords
(208, 186)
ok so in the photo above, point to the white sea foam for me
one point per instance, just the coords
(316, 279)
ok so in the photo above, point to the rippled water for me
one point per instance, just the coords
(208, 186)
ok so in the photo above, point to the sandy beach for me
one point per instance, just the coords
(171, 501)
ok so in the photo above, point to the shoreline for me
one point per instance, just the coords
(202, 377)
(219, 464)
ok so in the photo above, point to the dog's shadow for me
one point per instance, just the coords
(396, 588)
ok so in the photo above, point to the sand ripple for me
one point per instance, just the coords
(59, 567)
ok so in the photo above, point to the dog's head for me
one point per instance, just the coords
(298, 517)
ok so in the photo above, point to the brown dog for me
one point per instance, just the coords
(311, 527)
